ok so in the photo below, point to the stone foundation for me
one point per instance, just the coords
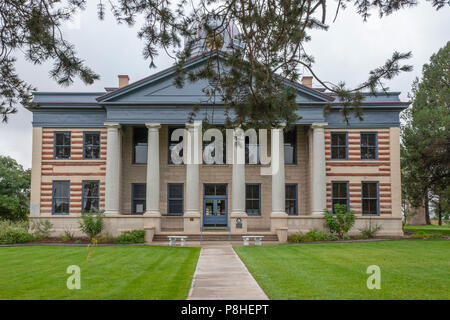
(116, 224)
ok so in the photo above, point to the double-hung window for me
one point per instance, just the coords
(91, 197)
(369, 146)
(370, 200)
(62, 145)
(138, 197)
(175, 143)
(339, 148)
(61, 197)
(91, 145)
(339, 194)
(253, 199)
(140, 135)
(291, 199)
(175, 199)
(290, 146)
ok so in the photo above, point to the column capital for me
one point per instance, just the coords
(154, 126)
(319, 125)
(114, 125)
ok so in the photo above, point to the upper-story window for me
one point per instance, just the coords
(175, 143)
(251, 150)
(140, 139)
(339, 194)
(339, 146)
(212, 148)
(369, 146)
(290, 146)
(62, 145)
(91, 145)
(370, 200)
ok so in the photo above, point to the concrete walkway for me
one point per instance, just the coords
(221, 275)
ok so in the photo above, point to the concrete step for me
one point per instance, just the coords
(214, 236)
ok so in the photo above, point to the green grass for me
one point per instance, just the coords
(122, 272)
(410, 269)
(430, 229)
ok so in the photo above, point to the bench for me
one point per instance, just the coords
(173, 240)
(257, 239)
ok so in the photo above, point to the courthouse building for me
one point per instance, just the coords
(112, 152)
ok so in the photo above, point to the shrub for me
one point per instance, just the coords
(134, 236)
(106, 238)
(426, 235)
(340, 222)
(295, 237)
(11, 232)
(312, 235)
(369, 231)
(317, 235)
(68, 235)
(91, 224)
(41, 229)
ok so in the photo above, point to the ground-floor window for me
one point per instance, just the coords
(339, 193)
(175, 199)
(91, 197)
(253, 199)
(291, 199)
(138, 196)
(61, 197)
(370, 201)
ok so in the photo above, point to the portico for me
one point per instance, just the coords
(129, 152)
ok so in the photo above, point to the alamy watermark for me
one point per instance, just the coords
(231, 149)
(374, 280)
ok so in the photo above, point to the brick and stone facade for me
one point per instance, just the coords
(156, 105)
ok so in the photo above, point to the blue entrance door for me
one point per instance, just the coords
(215, 205)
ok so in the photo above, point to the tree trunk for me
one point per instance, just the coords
(440, 212)
(427, 211)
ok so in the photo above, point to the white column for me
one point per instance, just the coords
(112, 186)
(238, 177)
(319, 187)
(278, 175)
(152, 196)
(193, 157)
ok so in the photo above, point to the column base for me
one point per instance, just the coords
(278, 220)
(192, 222)
(152, 213)
(236, 227)
(152, 220)
(317, 213)
(112, 212)
(278, 214)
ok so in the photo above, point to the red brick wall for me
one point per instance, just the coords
(74, 170)
(354, 170)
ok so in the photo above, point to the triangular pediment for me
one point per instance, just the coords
(160, 89)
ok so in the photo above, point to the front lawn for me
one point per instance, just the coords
(125, 272)
(410, 269)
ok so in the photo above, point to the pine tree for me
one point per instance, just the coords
(252, 83)
(425, 150)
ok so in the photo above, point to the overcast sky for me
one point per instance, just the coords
(347, 52)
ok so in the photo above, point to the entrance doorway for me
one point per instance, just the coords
(215, 205)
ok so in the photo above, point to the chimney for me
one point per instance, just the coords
(124, 79)
(307, 81)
